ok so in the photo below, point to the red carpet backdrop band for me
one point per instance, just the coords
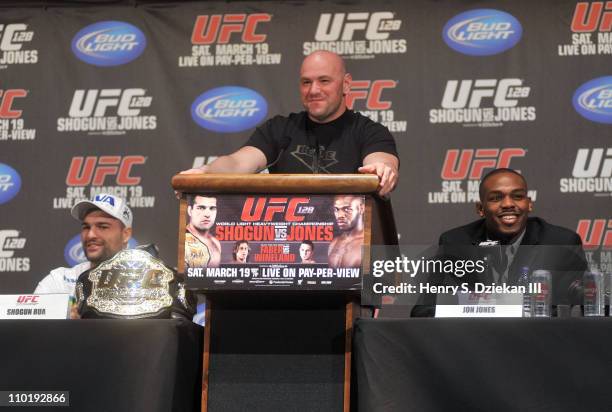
(119, 98)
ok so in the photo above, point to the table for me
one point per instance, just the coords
(107, 365)
(483, 364)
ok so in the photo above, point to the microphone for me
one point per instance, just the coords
(285, 141)
(317, 153)
(495, 252)
(487, 243)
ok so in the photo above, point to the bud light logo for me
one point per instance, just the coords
(482, 32)
(229, 109)
(109, 43)
(593, 100)
(74, 253)
(10, 183)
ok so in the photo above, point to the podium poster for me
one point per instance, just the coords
(246, 242)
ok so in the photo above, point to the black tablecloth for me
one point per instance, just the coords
(484, 365)
(107, 365)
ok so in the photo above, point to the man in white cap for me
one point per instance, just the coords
(106, 227)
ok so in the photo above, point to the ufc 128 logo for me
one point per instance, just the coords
(96, 102)
(266, 208)
(595, 233)
(371, 92)
(13, 35)
(94, 170)
(9, 242)
(597, 166)
(219, 28)
(469, 93)
(460, 164)
(7, 98)
(599, 16)
(343, 26)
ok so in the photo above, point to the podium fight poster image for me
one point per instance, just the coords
(278, 241)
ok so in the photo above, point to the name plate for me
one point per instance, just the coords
(477, 305)
(479, 311)
(49, 306)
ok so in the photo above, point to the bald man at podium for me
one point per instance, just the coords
(325, 138)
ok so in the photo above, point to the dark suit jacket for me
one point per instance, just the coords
(544, 246)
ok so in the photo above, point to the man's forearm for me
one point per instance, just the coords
(225, 164)
(385, 166)
(381, 157)
(247, 159)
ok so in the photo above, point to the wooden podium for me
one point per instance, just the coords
(281, 346)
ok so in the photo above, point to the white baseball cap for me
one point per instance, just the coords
(113, 205)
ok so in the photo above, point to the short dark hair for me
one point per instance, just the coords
(496, 172)
(191, 198)
(309, 243)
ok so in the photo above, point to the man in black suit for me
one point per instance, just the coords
(512, 242)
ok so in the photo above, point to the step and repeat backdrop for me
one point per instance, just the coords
(118, 99)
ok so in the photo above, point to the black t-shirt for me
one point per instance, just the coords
(342, 143)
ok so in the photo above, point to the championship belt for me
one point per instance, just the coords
(197, 254)
(132, 284)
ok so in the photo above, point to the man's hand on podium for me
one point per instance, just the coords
(250, 159)
(197, 170)
(385, 166)
(194, 171)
